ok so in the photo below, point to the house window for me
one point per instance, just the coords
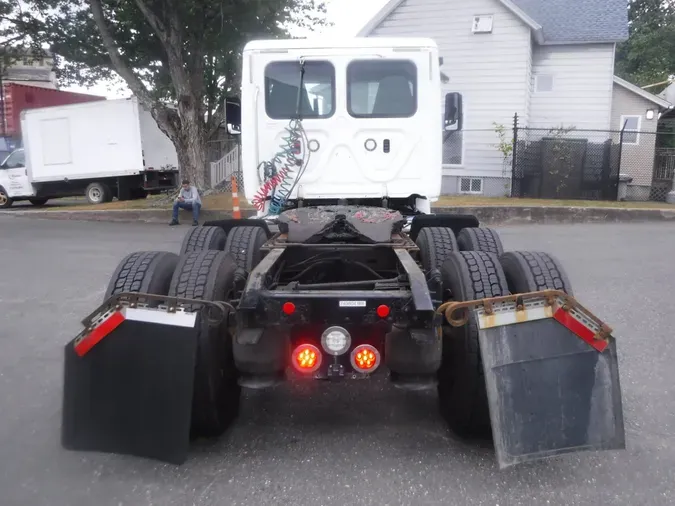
(543, 83)
(470, 185)
(631, 128)
(382, 89)
(282, 89)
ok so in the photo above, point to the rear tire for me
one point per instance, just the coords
(38, 202)
(5, 201)
(202, 239)
(436, 244)
(209, 275)
(468, 275)
(144, 271)
(244, 244)
(532, 272)
(98, 193)
(480, 239)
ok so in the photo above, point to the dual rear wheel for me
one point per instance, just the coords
(205, 270)
(471, 266)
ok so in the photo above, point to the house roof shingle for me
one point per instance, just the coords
(579, 21)
(562, 21)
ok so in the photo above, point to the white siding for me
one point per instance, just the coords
(490, 70)
(582, 86)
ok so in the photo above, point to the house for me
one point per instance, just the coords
(549, 61)
(637, 112)
(30, 69)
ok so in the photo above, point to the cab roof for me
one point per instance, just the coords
(341, 43)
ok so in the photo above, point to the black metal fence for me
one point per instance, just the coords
(571, 163)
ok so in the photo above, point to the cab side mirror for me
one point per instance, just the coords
(233, 116)
(453, 112)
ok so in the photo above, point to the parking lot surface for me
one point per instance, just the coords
(361, 443)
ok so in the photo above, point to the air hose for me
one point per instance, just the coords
(279, 173)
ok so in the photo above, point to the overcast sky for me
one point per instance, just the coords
(348, 17)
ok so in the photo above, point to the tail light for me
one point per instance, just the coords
(365, 358)
(306, 358)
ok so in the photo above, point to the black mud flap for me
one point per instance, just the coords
(549, 392)
(131, 393)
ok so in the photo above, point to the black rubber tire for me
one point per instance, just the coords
(145, 272)
(203, 238)
(528, 271)
(244, 244)
(480, 239)
(435, 244)
(209, 275)
(5, 201)
(469, 275)
(97, 193)
(38, 202)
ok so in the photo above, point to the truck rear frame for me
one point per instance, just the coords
(274, 308)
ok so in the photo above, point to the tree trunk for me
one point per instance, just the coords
(191, 150)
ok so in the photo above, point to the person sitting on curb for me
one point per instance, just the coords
(187, 199)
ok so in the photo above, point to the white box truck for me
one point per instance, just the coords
(102, 150)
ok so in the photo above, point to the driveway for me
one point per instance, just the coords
(362, 444)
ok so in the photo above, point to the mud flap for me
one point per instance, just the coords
(131, 391)
(549, 391)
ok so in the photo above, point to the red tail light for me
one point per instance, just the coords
(306, 358)
(383, 311)
(365, 358)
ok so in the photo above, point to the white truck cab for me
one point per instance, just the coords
(371, 121)
(14, 181)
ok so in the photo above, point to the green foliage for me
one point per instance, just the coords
(206, 36)
(648, 57)
(181, 58)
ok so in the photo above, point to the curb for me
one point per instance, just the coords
(486, 215)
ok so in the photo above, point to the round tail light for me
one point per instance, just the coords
(306, 358)
(365, 358)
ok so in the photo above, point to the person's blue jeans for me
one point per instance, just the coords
(195, 208)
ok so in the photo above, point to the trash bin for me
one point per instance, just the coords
(624, 181)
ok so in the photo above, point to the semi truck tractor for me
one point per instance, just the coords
(101, 150)
(344, 274)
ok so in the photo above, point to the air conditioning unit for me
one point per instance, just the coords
(482, 24)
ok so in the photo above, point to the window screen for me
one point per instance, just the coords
(382, 88)
(282, 85)
(632, 126)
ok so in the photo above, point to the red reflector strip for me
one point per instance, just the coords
(95, 336)
(579, 329)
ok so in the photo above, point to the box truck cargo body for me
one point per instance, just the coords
(17, 98)
(102, 150)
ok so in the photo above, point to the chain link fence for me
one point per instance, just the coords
(609, 165)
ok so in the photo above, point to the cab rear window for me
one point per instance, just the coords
(382, 89)
(282, 90)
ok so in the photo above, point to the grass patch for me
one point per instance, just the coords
(215, 202)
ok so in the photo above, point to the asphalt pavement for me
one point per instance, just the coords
(358, 444)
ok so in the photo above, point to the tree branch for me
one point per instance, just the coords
(159, 111)
(169, 36)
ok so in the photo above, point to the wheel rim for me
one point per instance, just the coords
(3, 198)
(95, 194)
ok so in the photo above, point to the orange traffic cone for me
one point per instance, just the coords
(236, 212)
